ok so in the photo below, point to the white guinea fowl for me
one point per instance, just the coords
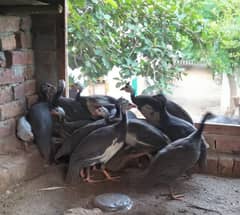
(24, 131)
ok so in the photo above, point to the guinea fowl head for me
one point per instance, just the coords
(128, 88)
(47, 92)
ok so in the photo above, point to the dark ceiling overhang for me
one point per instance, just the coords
(28, 2)
(23, 7)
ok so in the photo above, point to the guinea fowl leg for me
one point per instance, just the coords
(174, 196)
(87, 177)
(137, 156)
(107, 174)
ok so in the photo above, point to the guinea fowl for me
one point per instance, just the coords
(24, 131)
(150, 111)
(176, 158)
(98, 148)
(72, 141)
(142, 139)
(39, 117)
(176, 128)
(83, 107)
(145, 104)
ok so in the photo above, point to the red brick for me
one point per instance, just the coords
(10, 144)
(212, 164)
(18, 91)
(26, 23)
(8, 76)
(9, 23)
(8, 42)
(31, 100)
(7, 128)
(28, 72)
(225, 165)
(236, 167)
(29, 87)
(230, 144)
(12, 109)
(19, 57)
(23, 40)
(5, 95)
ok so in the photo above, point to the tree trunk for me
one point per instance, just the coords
(229, 92)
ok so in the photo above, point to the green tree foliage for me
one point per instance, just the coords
(146, 37)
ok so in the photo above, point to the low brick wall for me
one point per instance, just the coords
(17, 78)
(224, 150)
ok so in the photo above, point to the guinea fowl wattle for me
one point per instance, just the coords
(98, 148)
(176, 158)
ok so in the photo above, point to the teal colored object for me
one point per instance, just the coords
(135, 86)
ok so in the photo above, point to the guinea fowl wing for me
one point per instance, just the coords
(172, 161)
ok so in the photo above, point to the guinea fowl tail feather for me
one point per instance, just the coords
(206, 116)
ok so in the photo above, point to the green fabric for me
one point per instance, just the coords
(135, 86)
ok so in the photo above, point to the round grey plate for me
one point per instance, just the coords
(113, 202)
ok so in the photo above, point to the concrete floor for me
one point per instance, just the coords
(203, 195)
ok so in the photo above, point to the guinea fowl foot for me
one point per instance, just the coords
(86, 176)
(109, 177)
(176, 196)
(26, 147)
(173, 196)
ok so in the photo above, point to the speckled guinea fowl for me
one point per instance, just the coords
(75, 138)
(142, 139)
(176, 128)
(98, 148)
(72, 141)
(147, 107)
(39, 117)
(176, 158)
(145, 104)
(24, 131)
(175, 109)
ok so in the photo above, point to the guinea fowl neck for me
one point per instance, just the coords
(122, 125)
(133, 96)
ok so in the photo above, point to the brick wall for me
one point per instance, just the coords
(44, 28)
(17, 78)
(224, 150)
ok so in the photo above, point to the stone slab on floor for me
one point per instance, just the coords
(20, 166)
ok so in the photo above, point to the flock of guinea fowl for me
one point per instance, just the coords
(100, 133)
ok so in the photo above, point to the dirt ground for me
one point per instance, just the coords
(203, 195)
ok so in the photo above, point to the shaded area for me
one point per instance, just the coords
(203, 195)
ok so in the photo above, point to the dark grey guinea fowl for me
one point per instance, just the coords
(142, 139)
(147, 107)
(75, 138)
(145, 104)
(175, 109)
(39, 117)
(72, 141)
(176, 158)
(176, 128)
(98, 148)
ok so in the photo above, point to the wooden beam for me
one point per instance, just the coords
(31, 9)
